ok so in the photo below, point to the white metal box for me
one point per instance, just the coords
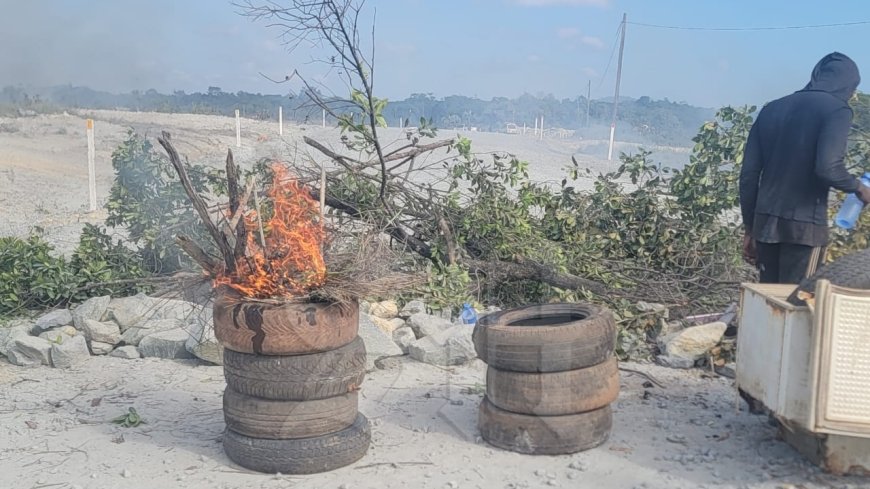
(811, 368)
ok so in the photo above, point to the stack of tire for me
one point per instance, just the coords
(551, 377)
(293, 371)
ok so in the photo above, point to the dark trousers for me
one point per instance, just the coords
(783, 263)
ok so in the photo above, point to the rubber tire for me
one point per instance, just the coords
(264, 418)
(298, 377)
(851, 271)
(544, 435)
(292, 328)
(300, 456)
(571, 345)
(554, 393)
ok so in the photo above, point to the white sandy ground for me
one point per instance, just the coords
(55, 432)
(54, 424)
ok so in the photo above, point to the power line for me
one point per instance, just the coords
(612, 52)
(767, 28)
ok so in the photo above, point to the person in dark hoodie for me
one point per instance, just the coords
(793, 157)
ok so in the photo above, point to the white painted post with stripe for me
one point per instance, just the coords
(92, 168)
(238, 130)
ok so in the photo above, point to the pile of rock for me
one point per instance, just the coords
(434, 339)
(128, 327)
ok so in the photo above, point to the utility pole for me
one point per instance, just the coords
(588, 100)
(616, 95)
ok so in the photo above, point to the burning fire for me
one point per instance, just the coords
(291, 263)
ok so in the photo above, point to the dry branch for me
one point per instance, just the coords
(203, 259)
(199, 204)
(237, 227)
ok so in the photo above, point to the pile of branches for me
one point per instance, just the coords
(455, 211)
(359, 265)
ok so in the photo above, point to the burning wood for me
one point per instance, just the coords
(289, 262)
(277, 253)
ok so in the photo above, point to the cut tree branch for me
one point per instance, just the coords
(199, 204)
(203, 259)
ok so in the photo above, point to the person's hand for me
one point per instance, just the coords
(749, 252)
(863, 193)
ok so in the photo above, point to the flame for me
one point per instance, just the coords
(292, 262)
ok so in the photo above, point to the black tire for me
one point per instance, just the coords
(852, 271)
(264, 418)
(554, 393)
(544, 435)
(300, 456)
(546, 337)
(298, 377)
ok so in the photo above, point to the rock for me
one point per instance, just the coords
(378, 344)
(654, 308)
(693, 343)
(188, 312)
(426, 325)
(452, 346)
(129, 352)
(93, 308)
(103, 332)
(52, 320)
(728, 370)
(134, 311)
(411, 308)
(58, 335)
(730, 315)
(388, 325)
(134, 335)
(675, 362)
(98, 348)
(668, 328)
(128, 312)
(69, 352)
(11, 332)
(165, 344)
(29, 351)
(202, 344)
(385, 309)
(403, 337)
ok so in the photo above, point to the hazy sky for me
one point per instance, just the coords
(471, 47)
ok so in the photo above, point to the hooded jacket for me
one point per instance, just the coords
(794, 156)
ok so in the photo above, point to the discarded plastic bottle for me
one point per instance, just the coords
(851, 209)
(468, 315)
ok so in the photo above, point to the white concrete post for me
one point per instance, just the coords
(323, 123)
(280, 121)
(238, 130)
(92, 168)
(536, 126)
(542, 128)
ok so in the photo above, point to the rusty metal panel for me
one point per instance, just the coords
(840, 455)
(760, 340)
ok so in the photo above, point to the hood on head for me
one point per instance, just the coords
(836, 74)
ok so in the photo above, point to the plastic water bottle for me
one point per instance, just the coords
(851, 209)
(468, 315)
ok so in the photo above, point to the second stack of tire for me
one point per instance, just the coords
(292, 372)
(551, 377)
